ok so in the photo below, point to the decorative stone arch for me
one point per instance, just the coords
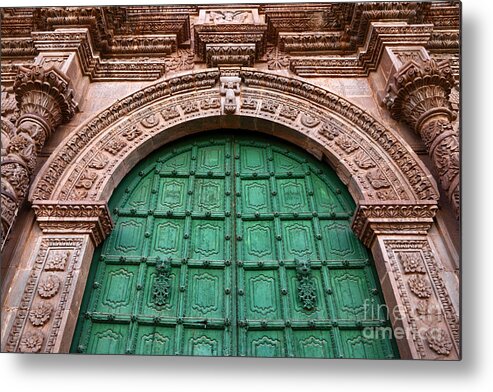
(374, 162)
(395, 193)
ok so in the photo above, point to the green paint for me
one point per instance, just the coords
(231, 245)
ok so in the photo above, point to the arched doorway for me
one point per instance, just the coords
(232, 244)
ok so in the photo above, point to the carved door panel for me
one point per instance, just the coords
(231, 245)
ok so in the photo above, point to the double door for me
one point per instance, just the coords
(233, 245)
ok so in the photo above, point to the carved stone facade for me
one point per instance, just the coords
(87, 92)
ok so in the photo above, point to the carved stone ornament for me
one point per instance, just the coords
(49, 286)
(412, 262)
(420, 286)
(44, 101)
(44, 93)
(31, 342)
(91, 218)
(230, 88)
(439, 341)
(169, 99)
(419, 94)
(57, 262)
(40, 313)
(371, 220)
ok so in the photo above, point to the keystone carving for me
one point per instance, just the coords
(230, 88)
(44, 101)
(418, 93)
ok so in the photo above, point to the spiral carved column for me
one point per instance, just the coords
(44, 101)
(418, 93)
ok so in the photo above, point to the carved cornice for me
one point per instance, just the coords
(419, 89)
(375, 219)
(381, 34)
(79, 41)
(44, 94)
(327, 30)
(58, 217)
(230, 54)
(314, 41)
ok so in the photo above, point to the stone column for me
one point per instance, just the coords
(413, 278)
(418, 93)
(41, 308)
(44, 101)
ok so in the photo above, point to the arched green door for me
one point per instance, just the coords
(232, 245)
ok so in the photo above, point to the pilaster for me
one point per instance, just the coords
(424, 319)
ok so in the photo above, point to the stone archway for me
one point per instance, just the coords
(396, 195)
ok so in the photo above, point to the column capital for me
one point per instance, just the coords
(391, 218)
(56, 217)
(44, 95)
(420, 89)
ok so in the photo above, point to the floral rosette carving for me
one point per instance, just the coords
(49, 286)
(420, 286)
(439, 341)
(411, 262)
(40, 314)
(31, 342)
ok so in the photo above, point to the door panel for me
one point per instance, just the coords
(232, 245)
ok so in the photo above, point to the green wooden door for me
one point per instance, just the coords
(232, 245)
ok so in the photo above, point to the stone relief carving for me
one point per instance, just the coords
(32, 313)
(57, 261)
(411, 262)
(49, 286)
(439, 341)
(44, 101)
(432, 310)
(269, 104)
(419, 286)
(115, 146)
(418, 93)
(276, 59)
(40, 313)
(233, 16)
(32, 342)
(230, 88)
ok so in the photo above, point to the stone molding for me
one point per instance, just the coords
(343, 130)
(419, 94)
(388, 218)
(58, 217)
